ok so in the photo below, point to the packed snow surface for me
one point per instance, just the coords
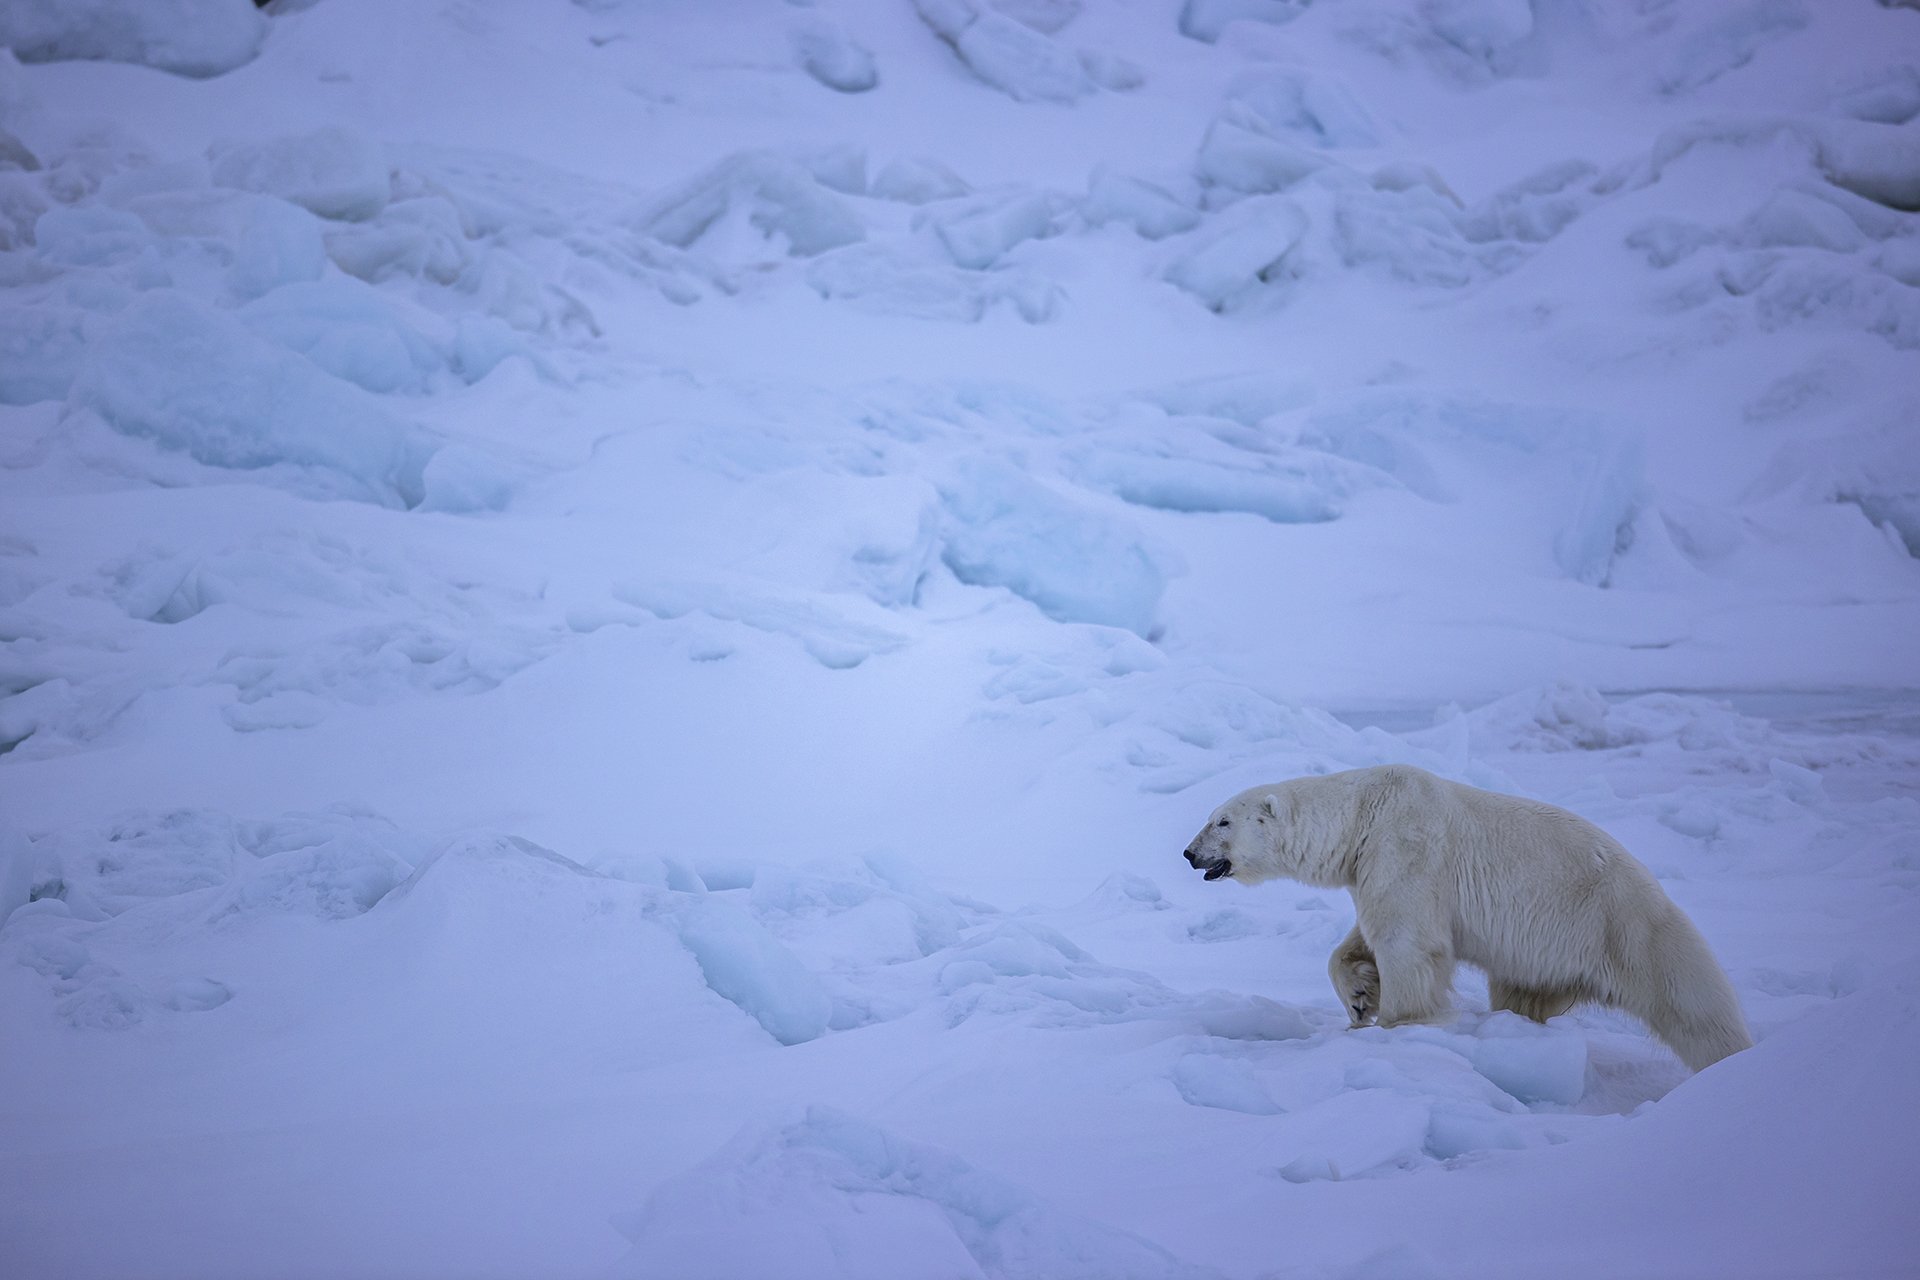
(613, 616)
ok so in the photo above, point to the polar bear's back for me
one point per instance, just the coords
(1545, 897)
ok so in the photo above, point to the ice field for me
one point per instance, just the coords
(614, 615)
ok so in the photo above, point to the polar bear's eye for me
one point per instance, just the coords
(1223, 823)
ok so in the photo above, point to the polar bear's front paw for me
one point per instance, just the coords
(1363, 992)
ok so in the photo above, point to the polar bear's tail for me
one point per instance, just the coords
(1686, 997)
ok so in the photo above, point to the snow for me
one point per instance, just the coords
(612, 618)
(188, 37)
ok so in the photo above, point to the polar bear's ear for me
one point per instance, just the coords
(1271, 805)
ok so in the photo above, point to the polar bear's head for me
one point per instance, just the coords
(1240, 839)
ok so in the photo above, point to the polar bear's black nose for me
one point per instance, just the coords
(1189, 857)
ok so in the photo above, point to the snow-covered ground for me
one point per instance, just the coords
(613, 616)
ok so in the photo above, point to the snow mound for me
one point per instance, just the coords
(333, 172)
(197, 38)
(827, 1194)
(1072, 562)
(1210, 1080)
(1567, 716)
(829, 637)
(192, 379)
(830, 55)
(291, 687)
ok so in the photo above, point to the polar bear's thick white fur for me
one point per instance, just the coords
(1549, 905)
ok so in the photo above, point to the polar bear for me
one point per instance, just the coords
(1549, 905)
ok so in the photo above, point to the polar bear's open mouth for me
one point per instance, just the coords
(1218, 869)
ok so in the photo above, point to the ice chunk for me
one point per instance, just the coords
(107, 1002)
(1209, 1080)
(41, 348)
(1534, 209)
(744, 963)
(334, 172)
(1486, 30)
(828, 1194)
(1249, 161)
(1463, 1127)
(1075, 564)
(276, 244)
(466, 478)
(1728, 41)
(265, 241)
(917, 180)
(1152, 211)
(196, 995)
(776, 196)
(1229, 924)
(1878, 162)
(1246, 398)
(90, 235)
(841, 168)
(480, 343)
(1413, 233)
(327, 865)
(1111, 71)
(188, 37)
(145, 856)
(978, 236)
(18, 872)
(422, 237)
(1299, 487)
(1206, 19)
(827, 53)
(1602, 526)
(1531, 1062)
(282, 709)
(1251, 249)
(23, 199)
(1309, 108)
(350, 330)
(1352, 1132)
(882, 280)
(1008, 55)
(1044, 16)
(1795, 219)
(1892, 97)
(176, 372)
(829, 636)
(15, 154)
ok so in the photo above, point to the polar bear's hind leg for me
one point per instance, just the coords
(1681, 992)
